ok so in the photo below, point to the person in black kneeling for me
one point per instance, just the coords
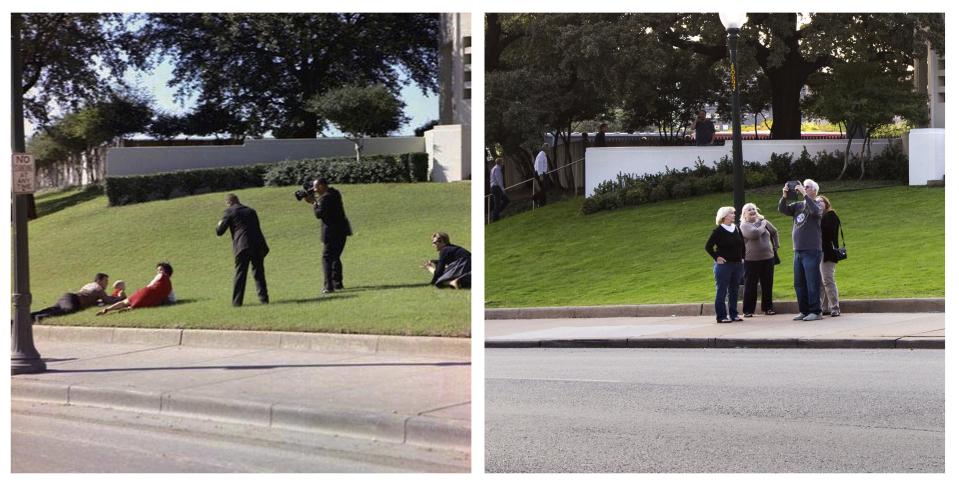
(452, 270)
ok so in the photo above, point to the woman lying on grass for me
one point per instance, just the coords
(153, 294)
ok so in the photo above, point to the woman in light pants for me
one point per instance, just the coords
(830, 241)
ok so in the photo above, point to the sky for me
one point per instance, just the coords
(419, 107)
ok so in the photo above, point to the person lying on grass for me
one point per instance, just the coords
(154, 294)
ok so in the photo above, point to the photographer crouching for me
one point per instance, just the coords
(334, 229)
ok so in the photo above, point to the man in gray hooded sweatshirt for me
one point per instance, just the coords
(807, 247)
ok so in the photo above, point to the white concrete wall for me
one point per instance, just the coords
(604, 164)
(147, 160)
(448, 149)
(927, 155)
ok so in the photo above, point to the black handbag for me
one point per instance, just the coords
(776, 259)
(841, 252)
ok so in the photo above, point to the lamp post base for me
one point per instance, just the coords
(26, 365)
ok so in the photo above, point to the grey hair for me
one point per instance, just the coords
(812, 182)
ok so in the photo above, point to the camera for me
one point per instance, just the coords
(791, 185)
(307, 191)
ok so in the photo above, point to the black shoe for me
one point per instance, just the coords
(338, 286)
(748, 315)
(265, 301)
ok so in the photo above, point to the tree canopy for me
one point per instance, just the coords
(360, 111)
(263, 68)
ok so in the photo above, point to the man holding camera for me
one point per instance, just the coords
(249, 246)
(807, 246)
(334, 228)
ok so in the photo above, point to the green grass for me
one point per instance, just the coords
(655, 253)
(387, 290)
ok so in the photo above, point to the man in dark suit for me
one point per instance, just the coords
(249, 246)
(334, 229)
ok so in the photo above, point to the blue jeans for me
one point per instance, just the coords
(728, 277)
(806, 279)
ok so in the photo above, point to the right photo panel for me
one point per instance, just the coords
(714, 242)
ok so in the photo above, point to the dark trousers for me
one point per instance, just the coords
(242, 262)
(806, 279)
(500, 201)
(332, 266)
(758, 272)
(68, 303)
(728, 276)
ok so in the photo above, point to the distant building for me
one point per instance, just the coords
(448, 143)
(931, 77)
(456, 75)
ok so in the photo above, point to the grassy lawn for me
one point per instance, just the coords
(387, 292)
(655, 253)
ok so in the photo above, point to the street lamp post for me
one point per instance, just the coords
(733, 22)
(24, 358)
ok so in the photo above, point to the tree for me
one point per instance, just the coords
(71, 58)
(262, 68)
(790, 48)
(867, 95)
(361, 111)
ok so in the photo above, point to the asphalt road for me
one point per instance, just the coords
(714, 410)
(56, 438)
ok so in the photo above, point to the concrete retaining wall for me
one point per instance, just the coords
(147, 160)
(604, 164)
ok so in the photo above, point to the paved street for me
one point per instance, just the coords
(714, 410)
(57, 438)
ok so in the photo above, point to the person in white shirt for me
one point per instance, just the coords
(540, 167)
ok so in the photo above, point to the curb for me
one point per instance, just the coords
(893, 305)
(254, 339)
(935, 343)
(421, 431)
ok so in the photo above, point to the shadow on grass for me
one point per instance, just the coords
(387, 287)
(317, 299)
(266, 367)
(54, 205)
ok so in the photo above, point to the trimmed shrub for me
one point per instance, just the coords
(143, 188)
(631, 189)
(407, 167)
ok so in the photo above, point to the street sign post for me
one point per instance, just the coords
(24, 174)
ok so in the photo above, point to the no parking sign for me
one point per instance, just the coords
(24, 174)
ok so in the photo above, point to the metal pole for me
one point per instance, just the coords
(739, 192)
(24, 358)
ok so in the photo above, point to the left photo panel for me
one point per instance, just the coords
(160, 161)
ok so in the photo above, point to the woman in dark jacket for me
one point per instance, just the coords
(726, 247)
(830, 242)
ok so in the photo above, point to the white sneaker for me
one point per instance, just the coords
(812, 316)
(799, 317)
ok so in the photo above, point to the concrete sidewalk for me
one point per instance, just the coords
(413, 391)
(851, 330)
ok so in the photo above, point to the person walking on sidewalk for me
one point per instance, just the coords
(807, 247)
(249, 246)
(762, 241)
(334, 229)
(85, 297)
(830, 242)
(726, 247)
(498, 189)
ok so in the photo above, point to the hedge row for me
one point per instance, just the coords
(408, 167)
(630, 190)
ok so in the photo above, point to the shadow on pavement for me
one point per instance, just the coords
(261, 367)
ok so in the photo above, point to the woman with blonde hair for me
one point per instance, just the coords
(725, 245)
(827, 268)
(762, 241)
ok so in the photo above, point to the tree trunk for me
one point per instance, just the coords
(845, 159)
(786, 82)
